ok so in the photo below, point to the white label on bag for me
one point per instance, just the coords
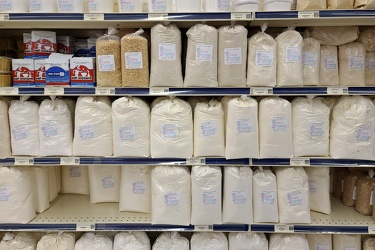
(170, 131)
(50, 129)
(370, 63)
(127, 133)
(108, 182)
(293, 54)
(139, 187)
(356, 63)
(264, 58)
(127, 6)
(6, 5)
(330, 62)
(223, 5)
(321, 247)
(317, 129)
(279, 124)
(204, 53)
(267, 197)
(19, 133)
(295, 198)
(66, 5)
(208, 128)
(233, 56)
(355, 193)
(86, 132)
(167, 51)
(310, 59)
(244, 126)
(172, 199)
(239, 197)
(365, 133)
(106, 63)
(35, 5)
(75, 171)
(133, 60)
(210, 197)
(313, 187)
(4, 194)
(159, 5)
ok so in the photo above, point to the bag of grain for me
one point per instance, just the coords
(171, 241)
(108, 60)
(275, 128)
(370, 69)
(209, 241)
(93, 127)
(365, 194)
(55, 128)
(340, 4)
(75, 180)
(369, 243)
(364, 4)
(104, 183)
(261, 69)
(171, 195)
(135, 190)
(209, 133)
(346, 241)
(288, 242)
(201, 57)
(60, 241)
(4, 130)
(24, 127)
(352, 64)
(94, 242)
(265, 196)
(329, 69)
(41, 188)
(134, 60)
(131, 241)
(311, 61)
(311, 5)
(338, 180)
(319, 184)
(194, 100)
(289, 59)
(232, 56)
(319, 241)
(131, 127)
(367, 37)
(310, 127)
(24, 241)
(241, 128)
(352, 128)
(243, 241)
(166, 68)
(350, 192)
(171, 131)
(334, 35)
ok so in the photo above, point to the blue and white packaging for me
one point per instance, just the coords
(57, 70)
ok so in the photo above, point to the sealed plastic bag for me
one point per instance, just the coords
(340, 4)
(243, 241)
(58, 241)
(352, 64)
(311, 61)
(94, 242)
(232, 56)
(201, 58)
(75, 180)
(131, 241)
(311, 5)
(108, 59)
(365, 194)
(41, 188)
(24, 241)
(209, 241)
(370, 69)
(329, 67)
(319, 241)
(367, 37)
(171, 241)
(288, 242)
(166, 68)
(350, 191)
(104, 183)
(4, 130)
(333, 35)
(319, 184)
(346, 241)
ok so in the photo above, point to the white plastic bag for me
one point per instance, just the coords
(329, 67)
(104, 183)
(41, 188)
(166, 68)
(135, 191)
(288, 242)
(352, 64)
(335, 35)
(232, 56)
(346, 241)
(94, 242)
(131, 241)
(201, 57)
(311, 61)
(131, 127)
(93, 127)
(24, 241)
(75, 180)
(319, 241)
(4, 130)
(247, 241)
(209, 241)
(370, 69)
(171, 241)
(57, 241)
(319, 184)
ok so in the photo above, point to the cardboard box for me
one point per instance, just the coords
(23, 72)
(40, 72)
(57, 70)
(43, 43)
(65, 45)
(82, 72)
(27, 45)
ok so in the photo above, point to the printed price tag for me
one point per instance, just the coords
(299, 162)
(158, 16)
(308, 14)
(371, 229)
(196, 161)
(4, 17)
(284, 229)
(337, 91)
(93, 17)
(85, 227)
(159, 91)
(204, 228)
(105, 91)
(23, 161)
(8, 91)
(241, 16)
(54, 91)
(262, 91)
(70, 161)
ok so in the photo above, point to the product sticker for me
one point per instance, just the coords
(330, 62)
(356, 62)
(170, 131)
(208, 128)
(293, 54)
(6, 5)
(244, 126)
(355, 193)
(310, 59)
(239, 197)
(106, 63)
(268, 197)
(86, 132)
(322, 247)
(19, 133)
(210, 197)
(204, 53)
(313, 187)
(159, 5)
(223, 5)
(372, 198)
(133, 60)
(349, 248)
(35, 5)
(108, 182)
(370, 63)
(365, 133)
(264, 58)
(75, 171)
(279, 124)
(93, 5)
(127, 5)
(139, 187)
(4, 194)
(233, 56)
(295, 198)
(66, 5)
(127, 133)
(317, 129)
(167, 51)
(50, 129)
(172, 199)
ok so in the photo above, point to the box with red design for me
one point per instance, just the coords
(40, 72)
(23, 72)
(43, 43)
(65, 45)
(82, 72)
(27, 45)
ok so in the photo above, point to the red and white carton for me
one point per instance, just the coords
(65, 45)
(23, 72)
(27, 45)
(82, 72)
(40, 72)
(43, 43)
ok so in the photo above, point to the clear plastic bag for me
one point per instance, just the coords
(241, 240)
(329, 66)
(352, 64)
(311, 60)
(333, 35)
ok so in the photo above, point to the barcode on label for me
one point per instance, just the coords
(159, 91)
(284, 228)
(105, 91)
(158, 16)
(196, 161)
(308, 14)
(4, 17)
(262, 91)
(70, 161)
(299, 162)
(337, 91)
(242, 16)
(8, 91)
(85, 227)
(371, 229)
(23, 161)
(204, 228)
